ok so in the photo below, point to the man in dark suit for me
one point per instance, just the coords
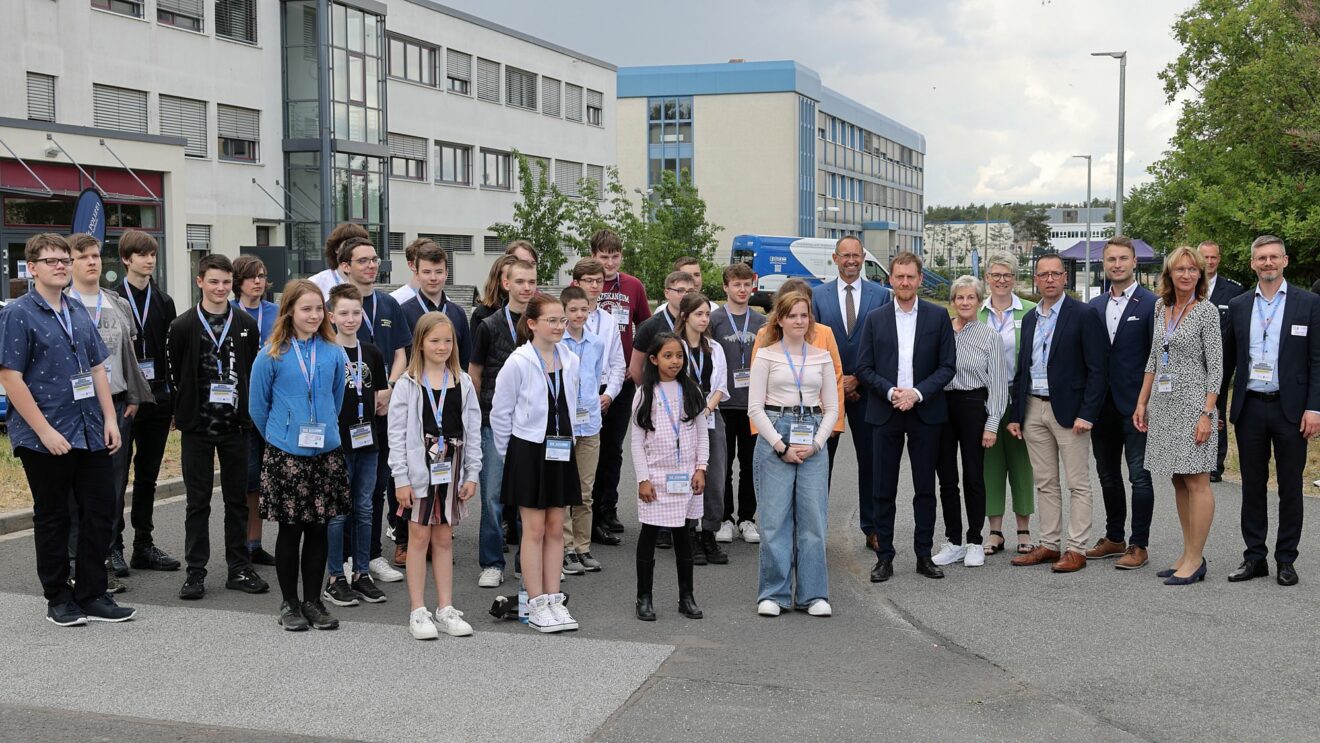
(1276, 403)
(842, 304)
(1221, 290)
(1128, 311)
(1058, 391)
(906, 356)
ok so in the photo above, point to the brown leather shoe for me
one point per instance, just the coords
(1038, 556)
(400, 557)
(1071, 562)
(1105, 549)
(873, 542)
(1135, 557)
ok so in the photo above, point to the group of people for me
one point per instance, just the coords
(344, 413)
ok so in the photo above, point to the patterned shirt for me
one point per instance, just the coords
(981, 366)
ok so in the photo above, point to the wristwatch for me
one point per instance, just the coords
(1208, 414)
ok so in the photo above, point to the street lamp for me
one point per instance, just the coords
(646, 196)
(1122, 87)
(1087, 272)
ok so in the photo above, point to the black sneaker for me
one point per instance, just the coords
(194, 587)
(317, 616)
(367, 590)
(694, 542)
(262, 557)
(104, 609)
(117, 563)
(664, 540)
(292, 619)
(339, 593)
(67, 614)
(589, 563)
(714, 554)
(152, 557)
(572, 565)
(247, 581)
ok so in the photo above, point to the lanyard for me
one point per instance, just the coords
(311, 376)
(371, 317)
(551, 381)
(698, 362)
(673, 422)
(595, 315)
(437, 408)
(668, 319)
(741, 336)
(1043, 357)
(96, 319)
(219, 350)
(357, 382)
(1170, 331)
(798, 374)
(427, 304)
(579, 348)
(66, 324)
(508, 318)
(1264, 321)
(140, 317)
(1000, 325)
(334, 274)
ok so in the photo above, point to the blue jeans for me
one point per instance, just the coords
(361, 484)
(491, 540)
(793, 503)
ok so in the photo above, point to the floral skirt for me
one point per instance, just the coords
(303, 490)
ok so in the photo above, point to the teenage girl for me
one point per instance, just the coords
(670, 448)
(708, 368)
(532, 420)
(435, 452)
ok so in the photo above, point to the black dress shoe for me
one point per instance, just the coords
(1287, 574)
(883, 571)
(601, 535)
(928, 568)
(1249, 569)
(611, 522)
(117, 563)
(645, 609)
(1216, 477)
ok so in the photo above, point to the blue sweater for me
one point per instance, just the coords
(277, 398)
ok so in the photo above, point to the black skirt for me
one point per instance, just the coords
(532, 482)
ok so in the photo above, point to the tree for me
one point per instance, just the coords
(1029, 226)
(539, 216)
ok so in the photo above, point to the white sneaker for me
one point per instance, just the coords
(539, 615)
(490, 578)
(451, 622)
(975, 556)
(949, 554)
(563, 620)
(767, 608)
(820, 609)
(725, 532)
(382, 571)
(420, 624)
(749, 533)
(348, 569)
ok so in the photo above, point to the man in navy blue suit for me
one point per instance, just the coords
(843, 305)
(1221, 290)
(1276, 404)
(906, 357)
(1058, 391)
(1128, 310)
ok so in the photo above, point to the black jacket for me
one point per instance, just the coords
(162, 307)
(1077, 368)
(1299, 352)
(185, 351)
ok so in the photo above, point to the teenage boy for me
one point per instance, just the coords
(332, 276)
(591, 352)
(62, 428)
(153, 312)
(677, 285)
(249, 296)
(692, 267)
(431, 272)
(735, 326)
(409, 290)
(212, 347)
(624, 298)
(384, 327)
(358, 428)
(493, 341)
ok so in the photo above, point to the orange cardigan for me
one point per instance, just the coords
(823, 338)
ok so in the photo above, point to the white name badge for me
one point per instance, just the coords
(742, 379)
(1040, 384)
(311, 435)
(224, 393)
(1017, 324)
(1164, 383)
(360, 435)
(442, 473)
(621, 316)
(1262, 371)
(558, 448)
(801, 434)
(82, 386)
(710, 422)
(678, 484)
(1299, 330)
(148, 367)
(581, 416)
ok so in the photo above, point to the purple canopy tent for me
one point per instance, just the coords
(1145, 253)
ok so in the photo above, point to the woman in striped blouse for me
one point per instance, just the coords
(977, 397)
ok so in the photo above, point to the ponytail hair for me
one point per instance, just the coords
(535, 309)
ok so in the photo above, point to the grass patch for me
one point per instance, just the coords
(14, 491)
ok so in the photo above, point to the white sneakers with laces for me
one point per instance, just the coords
(490, 578)
(975, 556)
(950, 553)
(820, 608)
(767, 608)
(382, 571)
(749, 533)
(420, 624)
(451, 622)
(725, 532)
(539, 615)
(564, 622)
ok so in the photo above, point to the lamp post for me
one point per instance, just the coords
(1122, 95)
(646, 207)
(827, 209)
(1086, 275)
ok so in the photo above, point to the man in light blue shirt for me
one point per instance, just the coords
(590, 351)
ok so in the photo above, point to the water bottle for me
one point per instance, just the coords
(522, 603)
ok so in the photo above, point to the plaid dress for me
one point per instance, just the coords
(655, 456)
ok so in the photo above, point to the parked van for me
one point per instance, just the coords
(778, 259)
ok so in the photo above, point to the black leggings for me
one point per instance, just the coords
(314, 549)
(646, 542)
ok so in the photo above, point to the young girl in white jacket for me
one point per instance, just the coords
(435, 459)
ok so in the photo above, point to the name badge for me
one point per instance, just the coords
(1017, 324)
(1164, 383)
(710, 422)
(581, 416)
(1040, 383)
(558, 448)
(224, 393)
(311, 435)
(679, 484)
(359, 435)
(621, 316)
(1262, 371)
(442, 473)
(1299, 330)
(742, 379)
(148, 367)
(801, 434)
(82, 386)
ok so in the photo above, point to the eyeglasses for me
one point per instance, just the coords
(1049, 275)
(1000, 276)
(591, 281)
(53, 262)
(372, 261)
(554, 322)
(1185, 270)
(260, 276)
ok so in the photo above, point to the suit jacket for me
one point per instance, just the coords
(1077, 367)
(1299, 355)
(933, 361)
(825, 307)
(1225, 290)
(1130, 347)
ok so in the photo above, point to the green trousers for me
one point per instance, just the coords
(1007, 464)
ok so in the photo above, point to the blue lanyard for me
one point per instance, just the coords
(741, 335)
(357, 382)
(579, 348)
(371, 318)
(551, 381)
(1043, 357)
(1169, 332)
(1000, 325)
(1273, 304)
(426, 303)
(665, 312)
(437, 407)
(673, 422)
(219, 344)
(96, 319)
(513, 332)
(66, 324)
(298, 351)
(140, 317)
(798, 374)
(698, 362)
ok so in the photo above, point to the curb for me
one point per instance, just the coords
(21, 520)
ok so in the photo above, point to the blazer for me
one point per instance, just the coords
(407, 450)
(934, 361)
(521, 401)
(1127, 352)
(1299, 354)
(1225, 290)
(825, 307)
(1077, 368)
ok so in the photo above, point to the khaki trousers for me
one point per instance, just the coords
(1048, 443)
(577, 527)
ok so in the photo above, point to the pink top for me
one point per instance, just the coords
(655, 455)
(773, 383)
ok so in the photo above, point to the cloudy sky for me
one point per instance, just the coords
(1004, 90)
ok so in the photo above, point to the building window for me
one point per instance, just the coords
(413, 60)
(185, 117)
(572, 102)
(520, 88)
(596, 174)
(359, 182)
(458, 72)
(407, 157)
(453, 164)
(492, 245)
(355, 61)
(239, 131)
(394, 242)
(550, 97)
(237, 20)
(496, 169)
(265, 234)
(199, 237)
(450, 244)
(40, 97)
(488, 80)
(538, 166)
(595, 108)
(567, 175)
(669, 137)
(185, 14)
(122, 109)
(123, 7)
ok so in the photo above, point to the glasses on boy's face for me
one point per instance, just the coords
(592, 280)
(53, 262)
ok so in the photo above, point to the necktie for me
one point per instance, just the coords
(850, 307)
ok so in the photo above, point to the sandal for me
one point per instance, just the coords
(991, 549)
(1024, 547)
